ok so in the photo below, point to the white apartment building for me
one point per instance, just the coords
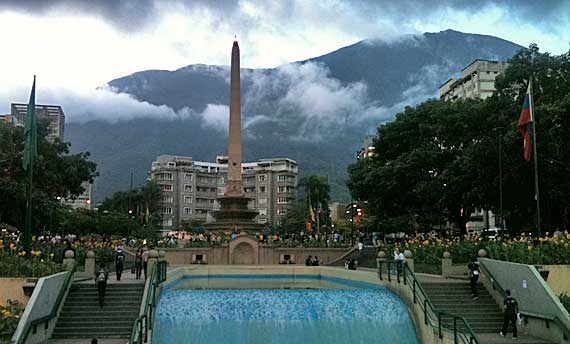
(189, 189)
(477, 81)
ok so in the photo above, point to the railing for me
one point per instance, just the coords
(32, 325)
(443, 321)
(144, 322)
(546, 317)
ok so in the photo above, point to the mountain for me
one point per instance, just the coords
(315, 111)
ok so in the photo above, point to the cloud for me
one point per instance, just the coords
(135, 15)
(99, 104)
(214, 116)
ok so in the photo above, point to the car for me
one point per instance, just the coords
(495, 233)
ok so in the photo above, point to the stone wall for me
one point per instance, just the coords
(12, 290)
(558, 278)
(266, 255)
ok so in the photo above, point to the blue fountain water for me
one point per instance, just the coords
(282, 316)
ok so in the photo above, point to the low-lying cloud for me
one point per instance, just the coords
(303, 96)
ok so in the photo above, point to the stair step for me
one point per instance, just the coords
(64, 323)
(81, 316)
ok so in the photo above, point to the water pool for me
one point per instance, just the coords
(280, 316)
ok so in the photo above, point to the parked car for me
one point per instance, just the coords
(495, 233)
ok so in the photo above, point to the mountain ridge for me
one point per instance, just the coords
(316, 111)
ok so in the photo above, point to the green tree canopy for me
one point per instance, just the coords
(438, 161)
(57, 173)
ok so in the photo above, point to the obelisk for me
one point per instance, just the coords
(234, 213)
(234, 183)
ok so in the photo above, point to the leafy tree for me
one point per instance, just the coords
(439, 160)
(317, 192)
(141, 202)
(56, 173)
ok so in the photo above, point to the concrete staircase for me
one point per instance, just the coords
(484, 315)
(81, 316)
(367, 255)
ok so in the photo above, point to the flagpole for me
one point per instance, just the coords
(28, 222)
(30, 139)
(536, 189)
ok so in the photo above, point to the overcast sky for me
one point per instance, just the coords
(81, 44)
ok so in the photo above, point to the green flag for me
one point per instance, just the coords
(30, 130)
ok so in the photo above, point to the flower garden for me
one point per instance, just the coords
(548, 250)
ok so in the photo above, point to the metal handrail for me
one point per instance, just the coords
(32, 324)
(547, 317)
(432, 316)
(144, 322)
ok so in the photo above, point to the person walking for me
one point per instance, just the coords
(145, 260)
(138, 263)
(511, 308)
(119, 262)
(101, 279)
(473, 275)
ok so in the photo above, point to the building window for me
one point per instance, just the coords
(166, 199)
(282, 200)
(166, 187)
(166, 211)
(262, 189)
(187, 211)
(187, 199)
(188, 176)
(282, 178)
(171, 164)
(262, 178)
(281, 212)
(262, 211)
(262, 200)
(187, 188)
(166, 222)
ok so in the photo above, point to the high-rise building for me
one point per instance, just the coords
(53, 114)
(9, 119)
(189, 189)
(477, 81)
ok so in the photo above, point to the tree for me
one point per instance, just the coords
(140, 202)
(317, 192)
(56, 173)
(439, 160)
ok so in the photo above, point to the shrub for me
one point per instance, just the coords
(9, 318)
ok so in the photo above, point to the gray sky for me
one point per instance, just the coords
(77, 45)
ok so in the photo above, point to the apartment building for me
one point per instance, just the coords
(189, 189)
(477, 81)
(53, 114)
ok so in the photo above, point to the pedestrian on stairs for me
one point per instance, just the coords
(511, 308)
(101, 279)
(119, 262)
(138, 263)
(473, 275)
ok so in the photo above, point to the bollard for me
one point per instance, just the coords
(69, 259)
(90, 263)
